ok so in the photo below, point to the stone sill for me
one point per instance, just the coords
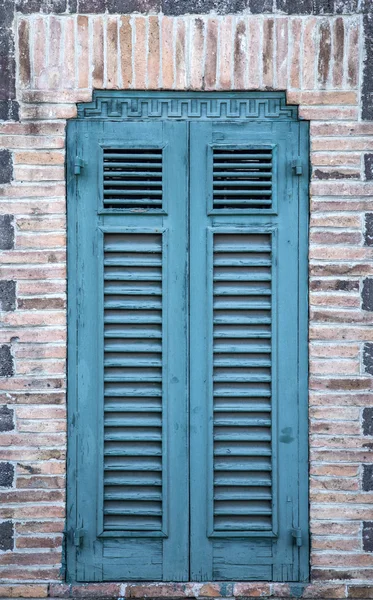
(190, 590)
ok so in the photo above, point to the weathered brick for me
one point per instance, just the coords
(153, 53)
(6, 536)
(294, 51)
(6, 166)
(6, 418)
(125, 45)
(368, 357)
(255, 36)
(82, 51)
(368, 536)
(140, 57)
(6, 361)
(324, 53)
(368, 166)
(98, 53)
(226, 46)
(6, 474)
(6, 232)
(268, 52)
(24, 591)
(167, 53)
(112, 53)
(181, 55)
(239, 54)
(211, 54)
(7, 295)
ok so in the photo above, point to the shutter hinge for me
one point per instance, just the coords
(78, 165)
(298, 166)
(78, 535)
(296, 532)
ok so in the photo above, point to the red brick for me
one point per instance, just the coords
(268, 52)
(295, 52)
(24, 591)
(181, 55)
(40, 527)
(48, 111)
(167, 53)
(282, 44)
(338, 51)
(82, 51)
(54, 55)
(353, 55)
(125, 45)
(198, 27)
(326, 113)
(24, 52)
(211, 54)
(255, 25)
(309, 54)
(332, 160)
(139, 74)
(240, 54)
(50, 157)
(226, 54)
(253, 590)
(112, 53)
(22, 574)
(39, 53)
(68, 64)
(153, 53)
(39, 542)
(98, 53)
(35, 482)
(313, 98)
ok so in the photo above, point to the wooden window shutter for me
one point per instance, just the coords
(128, 252)
(187, 366)
(248, 372)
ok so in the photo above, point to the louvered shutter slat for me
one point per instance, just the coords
(242, 179)
(132, 179)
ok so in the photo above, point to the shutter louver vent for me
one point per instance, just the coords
(242, 382)
(242, 178)
(133, 381)
(133, 179)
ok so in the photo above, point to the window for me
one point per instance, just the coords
(187, 340)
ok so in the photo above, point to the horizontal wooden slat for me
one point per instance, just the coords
(132, 179)
(242, 179)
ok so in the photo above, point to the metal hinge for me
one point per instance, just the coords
(298, 166)
(296, 532)
(78, 535)
(78, 165)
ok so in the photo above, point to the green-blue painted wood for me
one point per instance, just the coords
(136, 402)
(248, 469)
(128, 445)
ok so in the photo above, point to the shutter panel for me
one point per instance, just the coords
(128, 499)
(247, 375)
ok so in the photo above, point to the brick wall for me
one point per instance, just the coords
(319, 61)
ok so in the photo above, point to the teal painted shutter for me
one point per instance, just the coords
(128, 496)
(248, 360)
